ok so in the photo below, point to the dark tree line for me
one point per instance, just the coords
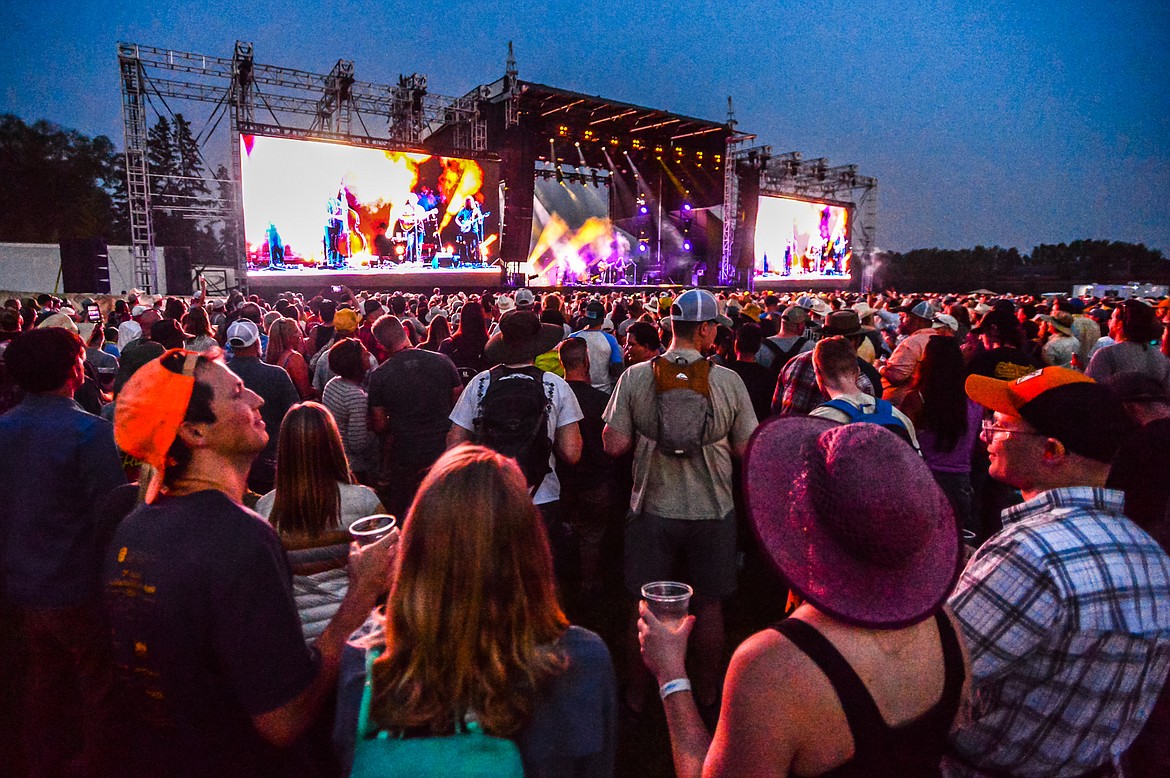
(57, 183)
(1000, 269)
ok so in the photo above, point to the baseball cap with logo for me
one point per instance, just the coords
(242, 333)
(697, 305)
(1076, 410)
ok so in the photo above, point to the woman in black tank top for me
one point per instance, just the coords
(865, 678)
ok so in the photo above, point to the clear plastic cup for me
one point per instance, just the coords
(371, 529)
(669, 601)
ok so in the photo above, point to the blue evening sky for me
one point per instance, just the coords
(987, 122)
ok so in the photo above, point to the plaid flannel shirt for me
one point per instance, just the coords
(1066, 614)
(797, 392)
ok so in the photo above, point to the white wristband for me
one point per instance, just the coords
(677, 685)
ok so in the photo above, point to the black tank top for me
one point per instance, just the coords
(913, 749)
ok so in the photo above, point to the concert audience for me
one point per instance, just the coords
(406, 422)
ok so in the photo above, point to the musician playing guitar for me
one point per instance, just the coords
(470, 221)
(412, 220)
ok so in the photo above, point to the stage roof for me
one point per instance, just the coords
(610, 117)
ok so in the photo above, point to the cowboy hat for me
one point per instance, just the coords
(522, 338)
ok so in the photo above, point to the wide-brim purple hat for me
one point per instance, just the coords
(852, 518)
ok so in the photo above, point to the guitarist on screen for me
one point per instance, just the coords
(470, 221)
(412, 221)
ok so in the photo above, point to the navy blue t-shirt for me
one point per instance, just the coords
(205, 635)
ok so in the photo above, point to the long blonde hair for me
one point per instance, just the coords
(310, 462)
(472, 615)
(283, 334)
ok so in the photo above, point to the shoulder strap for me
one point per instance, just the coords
(866, 725)
(849, 409)
(955, 674)
(363, 728)
(775, 349)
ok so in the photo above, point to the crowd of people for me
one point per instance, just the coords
(946, 517)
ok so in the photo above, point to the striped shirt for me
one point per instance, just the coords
(1066, 614)
(348, 403)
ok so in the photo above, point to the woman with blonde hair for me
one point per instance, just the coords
(473, 637)
(284, 350)
(314, 502)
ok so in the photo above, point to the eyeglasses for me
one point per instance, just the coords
(991, 429)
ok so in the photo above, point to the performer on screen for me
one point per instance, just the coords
(335, 225)
(275, 248)
(413, 223)
(383, 245)
(470, 220)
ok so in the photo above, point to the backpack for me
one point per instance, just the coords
(780, 357)
(682, 396)
(513, 419)
(882, 415)
(469, 752)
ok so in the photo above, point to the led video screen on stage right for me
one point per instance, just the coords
(803, 239)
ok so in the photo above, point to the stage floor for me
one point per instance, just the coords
(774, 283)
(405, 277)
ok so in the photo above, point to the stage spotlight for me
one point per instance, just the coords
(577, 143)
(643, 210)
(687, 207)
(642, 248)
(686, 245)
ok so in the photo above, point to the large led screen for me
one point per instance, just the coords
(332, 205)
(801, 238)
(573, 238)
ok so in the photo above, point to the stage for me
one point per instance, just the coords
(407, 278)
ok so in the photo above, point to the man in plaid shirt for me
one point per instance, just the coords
(797, 391)
(1066, 611)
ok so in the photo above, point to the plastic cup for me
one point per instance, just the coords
(371, 529)
(669, 601)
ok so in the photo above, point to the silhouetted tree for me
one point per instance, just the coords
(57, 183)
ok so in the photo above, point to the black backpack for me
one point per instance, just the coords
(780, 357)
(513, 419)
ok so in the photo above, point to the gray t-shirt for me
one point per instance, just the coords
(697, 487)
(1127, 356)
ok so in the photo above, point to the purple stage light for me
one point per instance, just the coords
(642, 247)
(643, 210)
(686, 245)
(686, 206)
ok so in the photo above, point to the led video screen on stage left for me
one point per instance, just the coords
(803, 239)
(334, 206)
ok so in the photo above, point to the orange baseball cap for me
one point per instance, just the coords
(150, 409)
(1076, 410)
(1009, 397)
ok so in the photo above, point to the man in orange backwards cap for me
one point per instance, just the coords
(1066, 611)
(213, 671)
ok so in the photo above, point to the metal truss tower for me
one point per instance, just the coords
(137, 176)
(288, 102)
